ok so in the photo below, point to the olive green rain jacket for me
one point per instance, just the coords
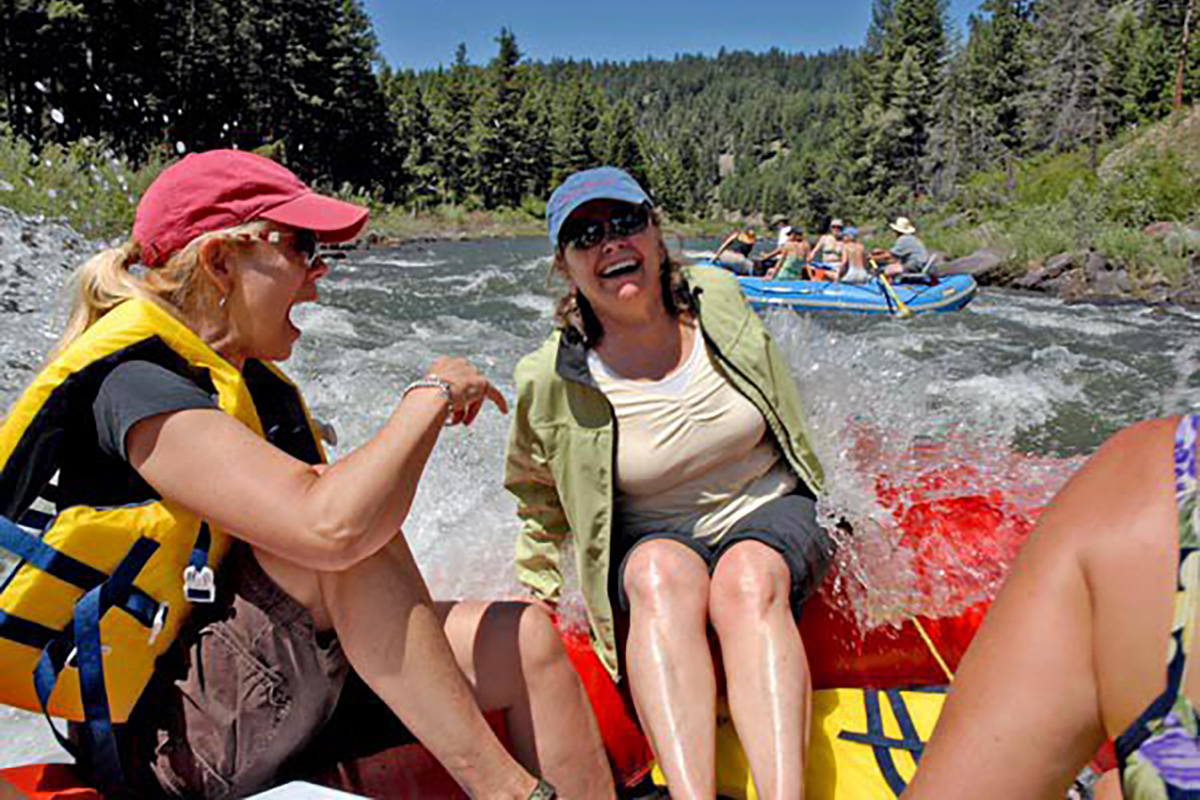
(562, 450)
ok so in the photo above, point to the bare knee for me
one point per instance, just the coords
(540, 645)
(750, 581)
(662, 578)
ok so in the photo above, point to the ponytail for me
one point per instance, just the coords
(100, 285)
(105, 281)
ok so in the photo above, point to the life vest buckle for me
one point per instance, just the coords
(70, 662)
(160, 621)
(199, 585)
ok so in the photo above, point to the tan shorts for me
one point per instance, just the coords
(243, 693)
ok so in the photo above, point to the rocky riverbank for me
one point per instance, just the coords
(1089, 276)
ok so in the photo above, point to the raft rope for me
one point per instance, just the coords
(933, 649)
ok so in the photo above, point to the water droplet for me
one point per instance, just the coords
(57, 116)
(96, 86)
(300, 147)
(135, 103)
(225, 127)
(108, 97)
(28, 110)
(47, 162)
(180, 148)
(41, 87)
(166, 118)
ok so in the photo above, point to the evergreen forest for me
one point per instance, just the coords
(905, 122)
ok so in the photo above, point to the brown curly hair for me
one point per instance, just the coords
(575, 316)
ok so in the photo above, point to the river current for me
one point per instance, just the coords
(1006, 397)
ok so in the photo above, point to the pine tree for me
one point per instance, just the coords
(576, 130)
(620, 143)
(451, 115)
(1064, 102)
(498, 132)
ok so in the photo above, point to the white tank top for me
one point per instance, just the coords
(693, 454)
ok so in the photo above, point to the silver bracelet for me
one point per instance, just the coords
(429, 382)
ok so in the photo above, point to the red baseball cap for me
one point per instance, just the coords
(219, 189)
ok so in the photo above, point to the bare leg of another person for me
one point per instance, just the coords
(670, 666)
(1108, 787)
(394, 639)
(513, 656)
(766, 669)
(1074, 647)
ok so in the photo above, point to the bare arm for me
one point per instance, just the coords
(322, 519)
(1029, 705)
(728, 241)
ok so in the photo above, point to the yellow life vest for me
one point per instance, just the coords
(864, 744)
(121, 566)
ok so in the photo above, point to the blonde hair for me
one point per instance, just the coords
(108, 279)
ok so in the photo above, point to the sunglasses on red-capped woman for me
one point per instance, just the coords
(303, 242)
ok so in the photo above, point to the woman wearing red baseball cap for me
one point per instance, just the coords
(195, 519)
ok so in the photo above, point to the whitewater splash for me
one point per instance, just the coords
(912, 463)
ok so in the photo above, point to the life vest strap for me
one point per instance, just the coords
(36, 552)
(103, 756)
(22, 544)
(26, 632)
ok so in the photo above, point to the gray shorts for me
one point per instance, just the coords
(788, 525)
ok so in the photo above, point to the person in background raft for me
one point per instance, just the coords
(791, 258)
(660, 429)
(908, 256)
(734, 252)
(319, 590)
(826, 254)
(783, 230)
(1089, 639)
(854, 259)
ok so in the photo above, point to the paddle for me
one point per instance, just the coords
(902, 311)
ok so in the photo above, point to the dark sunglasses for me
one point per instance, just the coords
(584, 234)
(304, 242)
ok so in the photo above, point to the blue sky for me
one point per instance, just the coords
(418, 34)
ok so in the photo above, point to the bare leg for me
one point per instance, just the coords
(766, 669)
(1074, 647)
(1109, 786)
(514, 658)
(670, 666)
(393, 638)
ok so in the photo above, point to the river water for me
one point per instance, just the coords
(1004, 398)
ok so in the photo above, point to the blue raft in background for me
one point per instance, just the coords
(949, 294)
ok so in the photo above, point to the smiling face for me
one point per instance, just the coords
(621, 275)
(262, 282)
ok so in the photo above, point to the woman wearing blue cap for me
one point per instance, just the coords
(658, 429)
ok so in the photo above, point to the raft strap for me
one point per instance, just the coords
(881, 744)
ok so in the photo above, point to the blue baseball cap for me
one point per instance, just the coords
(601, 183)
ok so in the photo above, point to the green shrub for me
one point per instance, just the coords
(83, 182)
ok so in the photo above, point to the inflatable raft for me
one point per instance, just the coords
(948, 294)
(869, 725)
